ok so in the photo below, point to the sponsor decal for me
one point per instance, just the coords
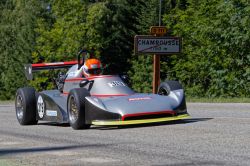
(40, 106)
(71, 74)
(139, 98)
(116, 83)
(51, 112)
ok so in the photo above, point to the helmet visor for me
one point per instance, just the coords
(95, 71)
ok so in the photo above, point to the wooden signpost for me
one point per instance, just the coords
(157, 31)
(157, 44)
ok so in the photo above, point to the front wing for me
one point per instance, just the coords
(141, 121)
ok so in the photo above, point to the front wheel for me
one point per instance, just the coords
(25, 105)
(76, 108)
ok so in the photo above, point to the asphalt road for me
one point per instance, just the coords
(217, 134)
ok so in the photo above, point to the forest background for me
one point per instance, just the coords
(216, 41)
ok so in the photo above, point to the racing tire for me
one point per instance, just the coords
(166, 87)
(25, 105)
(76, 108)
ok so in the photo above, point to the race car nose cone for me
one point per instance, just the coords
(139, 103)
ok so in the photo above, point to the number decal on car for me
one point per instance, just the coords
(116, 83)
(40, 106)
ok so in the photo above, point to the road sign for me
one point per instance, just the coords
(157, 45)
(158, 30)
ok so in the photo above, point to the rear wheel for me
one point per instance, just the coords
(76, 108)
(166, 87)
(25, 105)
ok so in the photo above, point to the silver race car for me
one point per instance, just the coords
(96, 100)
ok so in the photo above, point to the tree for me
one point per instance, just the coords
(16, 41)
(111, 26)
(142, 69)
(215, 59)
(60, 35)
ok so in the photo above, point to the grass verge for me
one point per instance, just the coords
(218, 100)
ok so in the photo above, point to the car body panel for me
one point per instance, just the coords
(53, 101)
(114, 108)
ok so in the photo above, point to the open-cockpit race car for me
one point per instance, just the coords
(104, 100)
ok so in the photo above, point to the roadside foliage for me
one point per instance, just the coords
(214, 61)
(216, 53)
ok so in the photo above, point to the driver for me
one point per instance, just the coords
(92, 67)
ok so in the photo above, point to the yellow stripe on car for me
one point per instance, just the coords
(131, 122)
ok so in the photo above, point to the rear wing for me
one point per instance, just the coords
(30, 68)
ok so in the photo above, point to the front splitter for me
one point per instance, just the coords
(142, 121)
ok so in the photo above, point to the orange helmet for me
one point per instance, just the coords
(92, 67)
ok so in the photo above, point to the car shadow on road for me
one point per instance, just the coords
(54, 124)
(14, 151)
(176, 122)
(200, 163)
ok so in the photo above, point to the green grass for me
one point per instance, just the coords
(218, 100)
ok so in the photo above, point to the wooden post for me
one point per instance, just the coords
(157, 31)
(156, 74)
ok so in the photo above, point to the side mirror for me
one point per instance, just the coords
(83, 83)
